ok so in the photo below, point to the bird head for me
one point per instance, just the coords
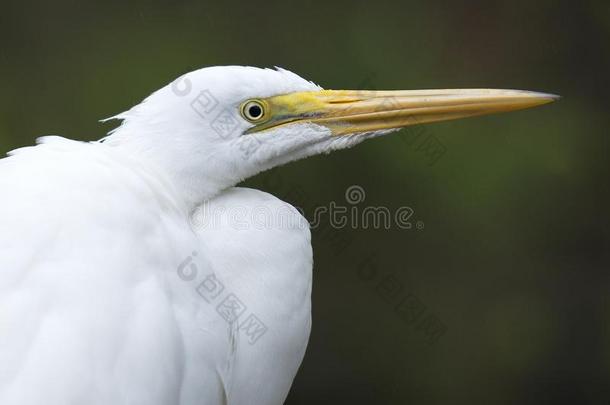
(214, 127)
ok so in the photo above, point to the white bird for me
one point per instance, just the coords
(133, 271)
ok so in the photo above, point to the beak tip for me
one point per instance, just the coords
(548, 97)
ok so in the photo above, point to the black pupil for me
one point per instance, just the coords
(255, 111)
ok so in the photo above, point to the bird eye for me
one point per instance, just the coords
(253, 111)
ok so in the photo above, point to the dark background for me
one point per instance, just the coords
(502, 296)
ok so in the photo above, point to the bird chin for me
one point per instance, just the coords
(288, 143)
(338, 142)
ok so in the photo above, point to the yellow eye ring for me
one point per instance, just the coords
(253, 111)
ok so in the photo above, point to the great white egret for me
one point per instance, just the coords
(110, 292)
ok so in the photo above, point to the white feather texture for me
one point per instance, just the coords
(119, 259)
(94, 310)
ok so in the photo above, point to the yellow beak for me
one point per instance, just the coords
(347, 112)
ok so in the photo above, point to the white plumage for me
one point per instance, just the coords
(92, 306)
(132, 271)
(94, 310)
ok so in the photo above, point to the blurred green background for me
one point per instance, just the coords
(506, 285)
